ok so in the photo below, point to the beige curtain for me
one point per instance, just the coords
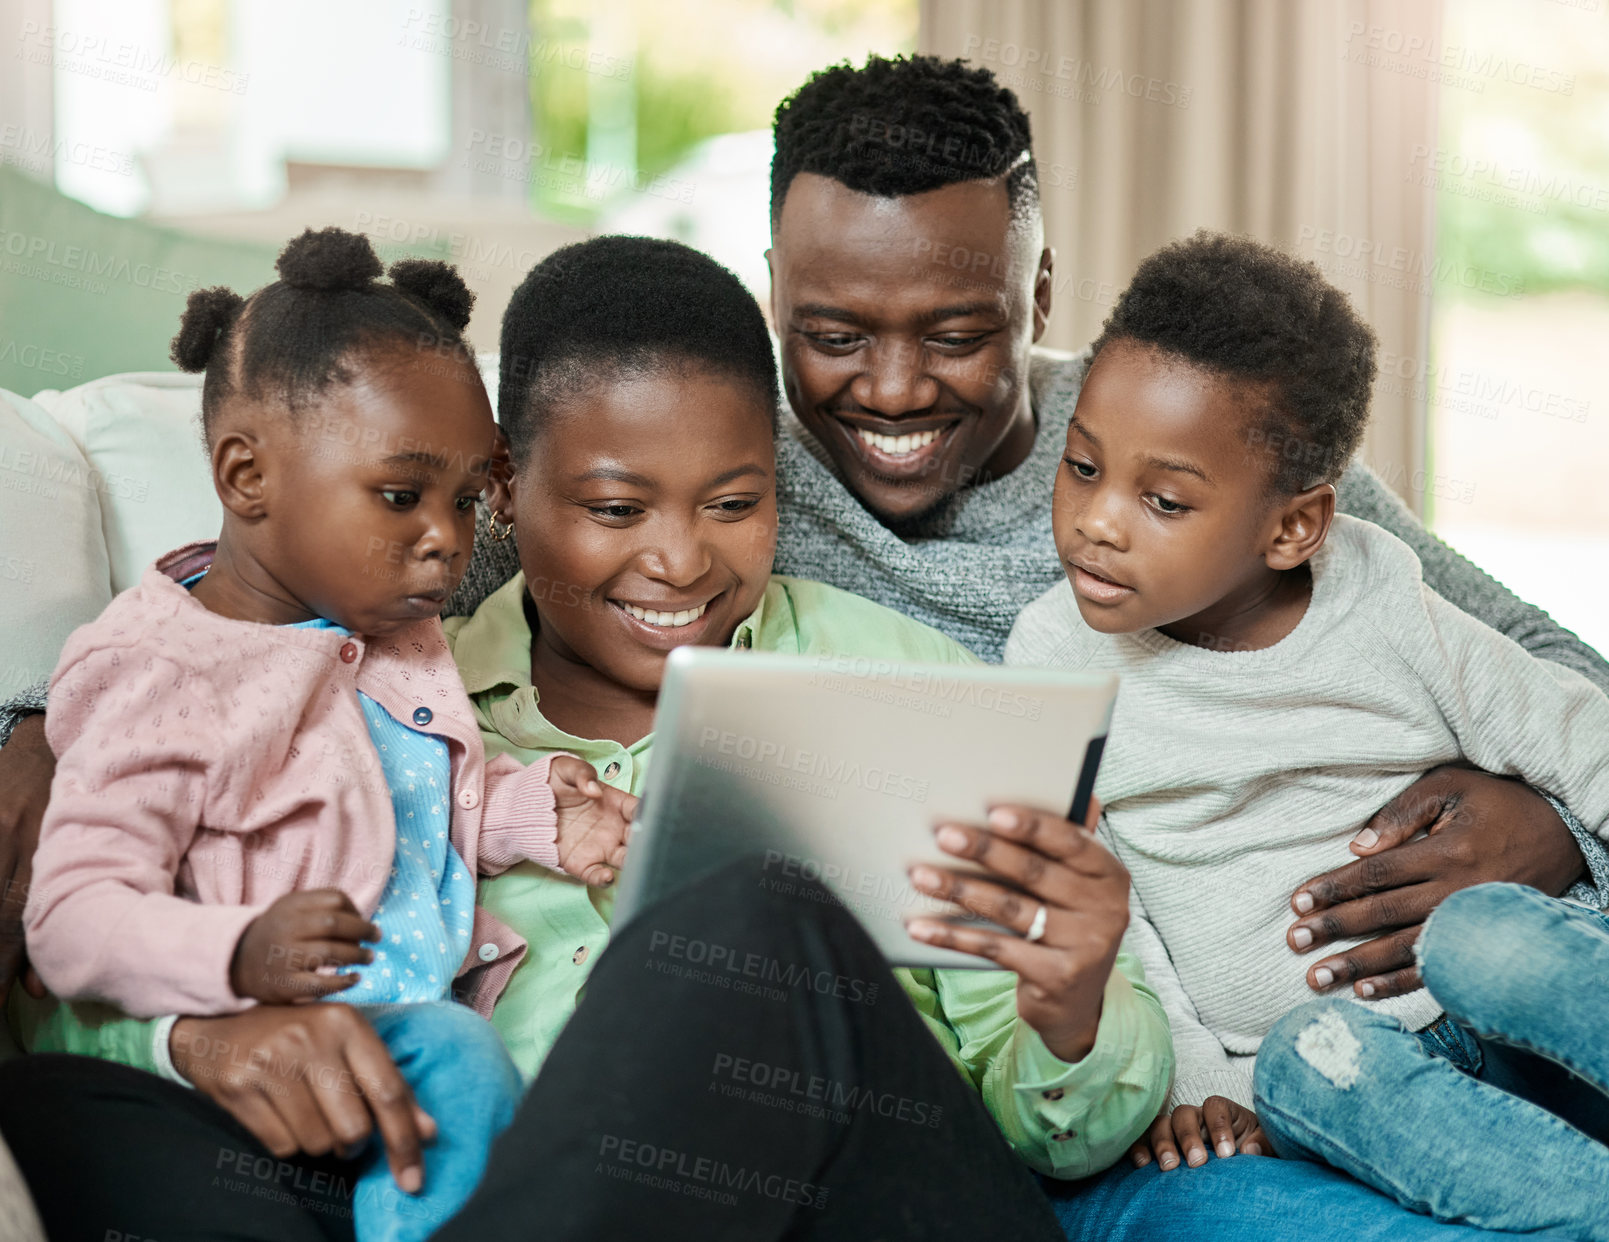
(1300, 122)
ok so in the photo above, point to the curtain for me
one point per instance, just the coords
(1303, 123)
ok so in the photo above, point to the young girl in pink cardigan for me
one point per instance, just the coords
(268, 768)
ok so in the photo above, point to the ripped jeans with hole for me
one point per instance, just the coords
(1496, 1116)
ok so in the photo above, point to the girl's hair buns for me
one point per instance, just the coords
(329, 259)
(438, 286)
(208, 314)
(294, 338)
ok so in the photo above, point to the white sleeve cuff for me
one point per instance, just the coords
(162, 1055)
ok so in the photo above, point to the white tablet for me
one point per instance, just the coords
(838, 768)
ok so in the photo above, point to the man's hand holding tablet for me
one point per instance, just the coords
(1056, 880)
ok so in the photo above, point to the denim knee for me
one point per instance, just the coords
(427, 1035)
(1278, 1064)
(1492, 946)
(1320, 1046)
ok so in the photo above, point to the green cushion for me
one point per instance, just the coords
(84, 295)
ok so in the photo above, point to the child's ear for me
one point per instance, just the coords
(238, 474)
(500, 481)
(1303, 522)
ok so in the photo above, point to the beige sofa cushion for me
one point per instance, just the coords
(54, 574)
(18, 1220)
(141, 434)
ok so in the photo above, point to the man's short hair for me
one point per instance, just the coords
(903, 126)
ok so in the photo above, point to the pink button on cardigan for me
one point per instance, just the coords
(207, 766)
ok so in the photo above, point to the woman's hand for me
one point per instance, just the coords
(308, 1078)
(1041, 861)
(26, 769)
(594, 820)
(1481, 828)
(1228, 1126)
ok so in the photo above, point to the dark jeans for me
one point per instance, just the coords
(743, 1065)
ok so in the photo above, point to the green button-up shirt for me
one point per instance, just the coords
(1067, 1120)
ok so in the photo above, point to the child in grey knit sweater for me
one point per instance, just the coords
(1286, 672)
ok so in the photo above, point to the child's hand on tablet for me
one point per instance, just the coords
(594, 819)
(1227, 1126)
(281, 953)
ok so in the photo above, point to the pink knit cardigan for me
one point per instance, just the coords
(206, 766)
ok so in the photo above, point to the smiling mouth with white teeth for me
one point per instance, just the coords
(896, 446)
(666, 620)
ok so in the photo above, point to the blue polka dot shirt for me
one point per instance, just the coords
(427, 909)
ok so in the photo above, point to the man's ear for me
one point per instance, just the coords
(1043, 286)
(240, 474)
(500, 481)
(771, 297)
(1301, 524)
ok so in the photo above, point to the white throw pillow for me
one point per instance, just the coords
(53, 568)
(141, 434)
(487, 365)
(19, 1222)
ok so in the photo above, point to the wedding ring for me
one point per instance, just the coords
(1036, 929)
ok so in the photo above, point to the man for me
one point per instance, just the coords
(910, 283)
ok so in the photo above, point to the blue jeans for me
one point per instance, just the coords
(461, 1075)
(1241, 1199)
(1499, 1114)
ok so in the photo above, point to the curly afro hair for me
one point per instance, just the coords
(1238, 309)
(615, 306)
(295, 338)
(902, 126)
